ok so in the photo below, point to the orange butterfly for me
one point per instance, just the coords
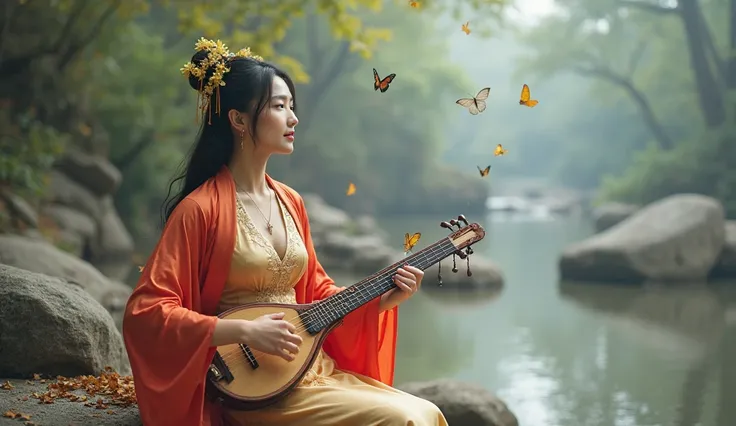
(382, 84)
(465, 28)
(414, 4)
(526, 98)
(351, 189)
(499, 150)
(410, 241)
(484, 172)
(478, 103)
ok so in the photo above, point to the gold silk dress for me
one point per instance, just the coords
(326, 395)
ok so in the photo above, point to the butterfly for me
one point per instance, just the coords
(140, 268)
(351, 189)
(477, 104)
(465, 28)
(410, 241)
(484, 172)
(499, 150)
(526, 98)
(382, 84)
(414, 4)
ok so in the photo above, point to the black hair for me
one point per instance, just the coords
(247, 89)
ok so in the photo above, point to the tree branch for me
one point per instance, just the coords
(710, 47)
(664, 141)
(636, 56)
(143, 142)
(709, 94)
(324, 78)
(731, 67)
(648, 6)
(5, 29)
(77, 47)
(75, 13)
(316, 54)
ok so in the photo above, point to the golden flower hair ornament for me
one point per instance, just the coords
(217, 58)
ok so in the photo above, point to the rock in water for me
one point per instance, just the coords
(463, 403)
(678, 238)
(726, 265)
(50, 326)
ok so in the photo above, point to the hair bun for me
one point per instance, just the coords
(197, 60)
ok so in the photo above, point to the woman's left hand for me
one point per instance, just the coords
(408, 279)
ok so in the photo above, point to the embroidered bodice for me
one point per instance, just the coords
(257, 273)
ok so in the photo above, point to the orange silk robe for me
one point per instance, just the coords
(169, 318)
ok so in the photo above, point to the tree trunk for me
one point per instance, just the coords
(731, 67)
(710, 97)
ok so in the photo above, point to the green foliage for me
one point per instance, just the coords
(28, 148)
(621, 56)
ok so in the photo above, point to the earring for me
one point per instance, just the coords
(242, 138)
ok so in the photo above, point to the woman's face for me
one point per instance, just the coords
(275, 131)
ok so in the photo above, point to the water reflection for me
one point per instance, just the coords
(664, 341)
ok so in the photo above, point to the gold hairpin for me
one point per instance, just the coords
(217, 56)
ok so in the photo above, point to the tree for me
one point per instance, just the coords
(660, 55)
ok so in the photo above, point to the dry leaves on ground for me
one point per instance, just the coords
(110, 388)
(12, 414)
(102, 392)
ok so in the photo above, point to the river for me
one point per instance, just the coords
(570, 354)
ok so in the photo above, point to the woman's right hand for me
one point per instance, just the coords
(273, 335)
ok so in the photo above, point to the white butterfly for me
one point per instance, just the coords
(477, 104)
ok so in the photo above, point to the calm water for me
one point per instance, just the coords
(572, 355)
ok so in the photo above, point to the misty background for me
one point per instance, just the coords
(637, 101)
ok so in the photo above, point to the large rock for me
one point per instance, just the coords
(66, 191)
(93, 172)
(51, 326)
(323, 217)
(463, 404)
(612, 214)
(39, 256)
(20, 208)
(678, 238)
(112, 248)
(726, 265)
(76, 230)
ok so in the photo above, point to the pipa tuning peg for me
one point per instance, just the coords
(461, 254)
(462, 219)
(469, 250)
(446, 225)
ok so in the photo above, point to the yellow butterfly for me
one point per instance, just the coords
(410, 241)
(526, 98)
(484, 172)
(414, 4)
(478, 103)
(351, 189)
(499, 150)
(465, 28)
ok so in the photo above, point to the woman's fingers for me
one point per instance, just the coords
(402, 283)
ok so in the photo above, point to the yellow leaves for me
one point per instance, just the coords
(365, 43)
(129, 9)
(294, 68)
(12, 414)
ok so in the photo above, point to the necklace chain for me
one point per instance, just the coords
(269, 227)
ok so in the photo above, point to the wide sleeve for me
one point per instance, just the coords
(365, 343)
(168, 343)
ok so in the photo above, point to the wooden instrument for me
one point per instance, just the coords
(243, 379)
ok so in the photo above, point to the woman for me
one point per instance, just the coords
(233, 235)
